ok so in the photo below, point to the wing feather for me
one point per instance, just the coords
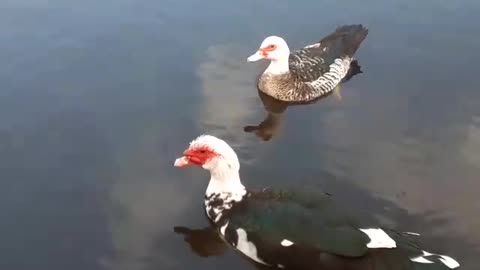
(308, 221)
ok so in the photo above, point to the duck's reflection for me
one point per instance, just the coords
(271, 125)
(204, 242)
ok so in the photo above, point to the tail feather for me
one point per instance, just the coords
(351, 35)
(356, 35)
(435, 261)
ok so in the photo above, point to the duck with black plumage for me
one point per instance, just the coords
(295, 229)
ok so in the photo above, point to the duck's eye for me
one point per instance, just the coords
(203, 151)
(272, 46)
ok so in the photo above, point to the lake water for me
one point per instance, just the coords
(97, 99)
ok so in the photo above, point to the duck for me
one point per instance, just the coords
(296, 229)
(271, 125)
(311, 72)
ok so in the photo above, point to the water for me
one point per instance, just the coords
(97, 99)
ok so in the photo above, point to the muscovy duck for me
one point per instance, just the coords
(311, 72)
(270, 126)
(293, 229)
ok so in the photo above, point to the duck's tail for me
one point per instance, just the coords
(421, 259)
(351, 37)
(354, 36)
(428, 260)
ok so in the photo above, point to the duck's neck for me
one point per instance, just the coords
(278, 66)
(225, 180)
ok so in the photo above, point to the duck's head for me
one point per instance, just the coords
(272, 48)
(211, 153)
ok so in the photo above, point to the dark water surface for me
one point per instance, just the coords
(97, 99)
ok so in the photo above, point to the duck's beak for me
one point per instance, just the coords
(256, 56)
(181, 162)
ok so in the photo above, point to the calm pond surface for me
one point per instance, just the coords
(97, 99)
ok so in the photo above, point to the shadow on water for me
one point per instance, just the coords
(272, 123)
(205, 241)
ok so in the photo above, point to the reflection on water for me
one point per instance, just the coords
(226, 100)
(98, 98)
(204, 242)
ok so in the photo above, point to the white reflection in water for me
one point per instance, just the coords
(229, 95)
(147, 200)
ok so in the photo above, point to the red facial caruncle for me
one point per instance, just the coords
(198, 155)
(268, 49)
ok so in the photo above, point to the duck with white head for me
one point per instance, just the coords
(293, 229)
(311, 72)
(218, 157)
(276, 50)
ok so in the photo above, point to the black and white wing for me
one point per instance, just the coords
(313, 61)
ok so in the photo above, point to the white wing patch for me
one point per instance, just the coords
(448, 261)
(315, 45)
(420, 259)
(379, 239)
(286, 243)
(412, 233)
(246, 247)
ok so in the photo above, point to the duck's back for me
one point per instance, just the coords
(307, 229)
(313, 61)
